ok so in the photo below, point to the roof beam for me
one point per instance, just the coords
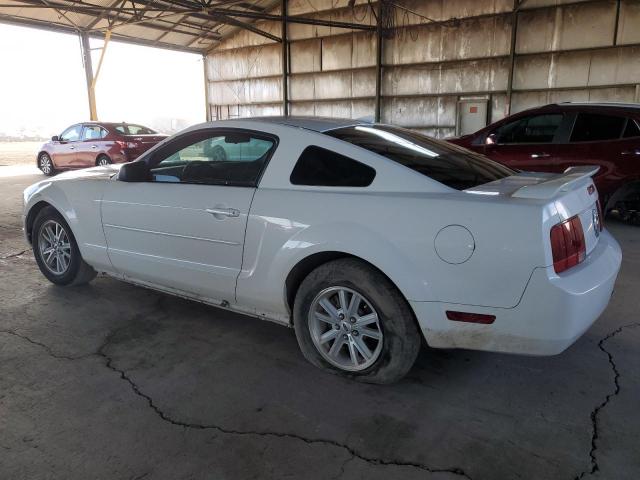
(62, 28)
(290, 19)
(93, 9)
(200, 11)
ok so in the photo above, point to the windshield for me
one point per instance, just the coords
(446, 163)
(130, 129)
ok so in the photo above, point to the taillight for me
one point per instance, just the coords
(122, 144)
(567, 244)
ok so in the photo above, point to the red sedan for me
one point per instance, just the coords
(554, 137)
(95, 143)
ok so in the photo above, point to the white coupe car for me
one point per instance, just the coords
(363, 237)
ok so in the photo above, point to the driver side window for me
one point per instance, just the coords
(232, 158)
(71, 134)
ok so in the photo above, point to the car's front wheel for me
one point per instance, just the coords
(103, 161)
(56, 250)
(45, 164)
(349, 318)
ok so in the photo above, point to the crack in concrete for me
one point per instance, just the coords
(311, 441)
(13, 255)
(101, 352)
(47, 348)
(594, 414)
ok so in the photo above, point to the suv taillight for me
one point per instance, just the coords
(567, 244)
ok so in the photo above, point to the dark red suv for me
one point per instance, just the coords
(554, 137)
(95, 143)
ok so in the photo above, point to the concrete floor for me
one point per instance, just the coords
(111, 381)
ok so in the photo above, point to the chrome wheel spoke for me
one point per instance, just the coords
(371, 333)
(329, 308)
(366, 320)
(325, 318)
(354, 304)
(335, 348)
(353, 354)
(342, 298)
(362, 348)
(48, 235)
(329, 335)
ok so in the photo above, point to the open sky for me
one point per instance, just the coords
(43, 88)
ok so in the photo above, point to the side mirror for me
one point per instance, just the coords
(55, 138)
(491, 139)
(135, 172)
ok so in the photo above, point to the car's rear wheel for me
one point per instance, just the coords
(350, 319)
(56, 250)
(103, 160)
(45, 164)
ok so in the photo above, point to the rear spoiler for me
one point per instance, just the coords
(557, 184)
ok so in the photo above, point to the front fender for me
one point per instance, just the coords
(41, 193)
(79, 204)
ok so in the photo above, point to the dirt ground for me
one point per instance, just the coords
(18, 153)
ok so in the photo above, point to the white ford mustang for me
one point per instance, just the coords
(363, 237)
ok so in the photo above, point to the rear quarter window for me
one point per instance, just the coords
(320, 167)
(446, 163)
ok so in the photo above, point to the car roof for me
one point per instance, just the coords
(317, 124)
(635, 106)
(628, 107)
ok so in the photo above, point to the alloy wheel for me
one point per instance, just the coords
(54, 247)
(45, 164)
(345, 328)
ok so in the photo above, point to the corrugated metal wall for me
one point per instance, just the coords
(564, 51)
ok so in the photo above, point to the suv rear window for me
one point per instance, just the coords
(130, 129)
(446, 163)
(591, 127)
(631, 130)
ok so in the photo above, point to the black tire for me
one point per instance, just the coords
(78, 271)
(401, 337)
(103, 160)
(45, 164)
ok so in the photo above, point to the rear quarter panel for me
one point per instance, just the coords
(396, 233)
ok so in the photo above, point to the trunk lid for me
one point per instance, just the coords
(138, 144)
(571, 193)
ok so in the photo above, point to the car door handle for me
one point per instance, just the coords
(225, 212)
(631, 152)
(71, 147)
(94, 146)
(540, 155)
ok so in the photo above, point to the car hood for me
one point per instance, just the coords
(88, 174)
(93, 173)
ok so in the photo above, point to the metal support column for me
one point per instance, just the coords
(285, 60)
(206, 88)
(378, 107)
(512, 52)
(88, 71)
